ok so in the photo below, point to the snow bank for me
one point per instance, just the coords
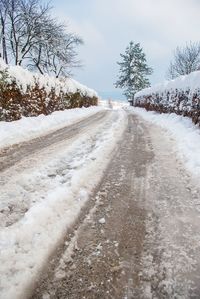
(23, 93)
(181, 95)
(183, 131)
(188, 82)
(31, 127)
(25, 78)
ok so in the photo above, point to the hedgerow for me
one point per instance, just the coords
(25, 94)
(180, 96)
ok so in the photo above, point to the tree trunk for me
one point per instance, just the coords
(4, 48)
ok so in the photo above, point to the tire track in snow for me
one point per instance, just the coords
(11, 155)
(142, 240)
(53, 184)
(28, 182)
(102, 259)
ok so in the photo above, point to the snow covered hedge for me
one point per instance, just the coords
(181, 95)
(23, 93)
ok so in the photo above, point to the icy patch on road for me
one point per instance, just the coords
(183, 131)
(52, 191)
(32, 127)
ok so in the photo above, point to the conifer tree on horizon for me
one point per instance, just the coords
(133, 71)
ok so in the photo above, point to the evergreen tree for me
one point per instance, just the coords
(133, 70)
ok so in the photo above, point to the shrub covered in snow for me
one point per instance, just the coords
(181, 95)
(23, 93)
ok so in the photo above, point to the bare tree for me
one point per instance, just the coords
(33, 18)
(56, 50)
(13, 27)
(23, 20)
(29, 36)
(186, 60)
(62, 54)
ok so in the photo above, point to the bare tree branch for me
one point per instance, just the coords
(29, 36)
(186, 60)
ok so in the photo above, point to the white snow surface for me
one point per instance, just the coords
(31, 127)
(113, 104)
(25, 78)
(102, 221)
(189, 82)
(185, 134)
(42, 196)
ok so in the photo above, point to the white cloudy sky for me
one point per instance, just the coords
(107, 26)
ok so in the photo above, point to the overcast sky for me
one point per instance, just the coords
(107, 26)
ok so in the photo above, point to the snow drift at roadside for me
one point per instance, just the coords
(181, 96)
(23, 93)
(183, 131)
(32, 127)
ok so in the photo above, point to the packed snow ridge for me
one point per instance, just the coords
(31, 127)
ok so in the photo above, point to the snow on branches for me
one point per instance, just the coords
(181, 96)
(133, 70)
(23, 93)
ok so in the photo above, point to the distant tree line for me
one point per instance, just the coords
(30, 37)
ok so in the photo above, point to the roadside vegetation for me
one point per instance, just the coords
(37, 55)
(180, 95)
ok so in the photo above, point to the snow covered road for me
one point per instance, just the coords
(140, 235)
(11, 155)
(105, 208)
(44, 185)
